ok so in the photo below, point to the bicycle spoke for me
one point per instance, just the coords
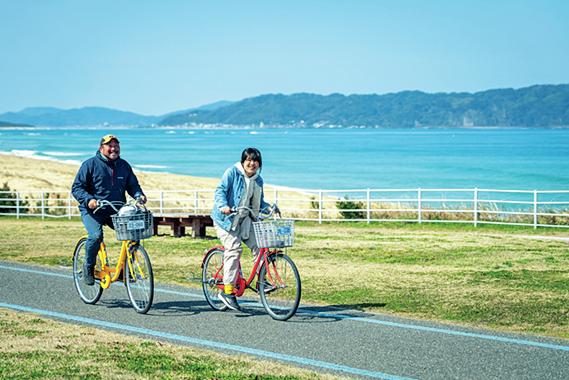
(89, 294)
(280, 287)
(212, 279)
(139, 280)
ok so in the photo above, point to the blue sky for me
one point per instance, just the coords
(154, 57)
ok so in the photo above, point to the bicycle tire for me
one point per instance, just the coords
(212, 278)
(140, 288)
(282, 297)
(89, 294)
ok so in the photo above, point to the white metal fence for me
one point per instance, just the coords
(475, 206)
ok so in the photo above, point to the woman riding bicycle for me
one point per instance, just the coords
(241, 185)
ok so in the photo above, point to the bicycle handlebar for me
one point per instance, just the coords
(274, 208)
(103, 202)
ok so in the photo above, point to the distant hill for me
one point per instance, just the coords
(89, 116)
(4, 124)
(535, 106)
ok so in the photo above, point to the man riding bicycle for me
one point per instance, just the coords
(104, 176)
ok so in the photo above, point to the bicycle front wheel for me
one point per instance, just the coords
(90, 294)
(139, 280)
(279, 286)
(212, 279)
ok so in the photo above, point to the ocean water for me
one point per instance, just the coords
(509, 159)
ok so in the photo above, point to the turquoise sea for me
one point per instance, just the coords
(331, 159)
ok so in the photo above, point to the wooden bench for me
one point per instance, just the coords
(179, 222)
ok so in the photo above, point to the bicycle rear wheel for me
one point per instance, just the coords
(90, 294)
(139, 280)
(212, 278)
(279, 287)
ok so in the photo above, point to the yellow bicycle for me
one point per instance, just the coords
(133, 260)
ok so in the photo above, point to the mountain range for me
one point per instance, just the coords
(88, 116)
(539, 106)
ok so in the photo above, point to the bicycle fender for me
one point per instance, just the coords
(77, 244)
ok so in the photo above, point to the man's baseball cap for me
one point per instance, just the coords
(108, 138)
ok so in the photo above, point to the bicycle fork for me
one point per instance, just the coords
(104, 274)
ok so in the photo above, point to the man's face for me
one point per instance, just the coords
(111, 150)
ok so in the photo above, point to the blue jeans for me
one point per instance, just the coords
(94, 226)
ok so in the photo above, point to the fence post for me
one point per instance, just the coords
(196, 199)
(475, 207)
(69, 204)
(319, 206)
(17, 205)
(42, 205)
(368, 207)
(161, 201)
(420, 204)
(535, 209)
(275, 196)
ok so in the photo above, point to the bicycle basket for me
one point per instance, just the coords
(133, 227)
(274, 233)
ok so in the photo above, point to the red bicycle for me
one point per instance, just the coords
(278, 281)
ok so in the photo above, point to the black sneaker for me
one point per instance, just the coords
(229, 300)
(88, 275)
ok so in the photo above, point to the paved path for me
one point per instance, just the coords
(323, 339)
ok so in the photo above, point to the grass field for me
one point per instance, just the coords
(503, 278)
(32, 347)
(490, 277)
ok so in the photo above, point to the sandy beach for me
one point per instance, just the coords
(28, 174)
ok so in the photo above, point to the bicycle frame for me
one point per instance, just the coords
(108, 275)
(242, 284)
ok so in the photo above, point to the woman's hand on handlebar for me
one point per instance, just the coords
(225, 210)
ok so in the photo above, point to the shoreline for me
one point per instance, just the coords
(26, 155)
(43, 173)
(276, 127)
(47, 174)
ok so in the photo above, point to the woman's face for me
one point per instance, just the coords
(250, 167)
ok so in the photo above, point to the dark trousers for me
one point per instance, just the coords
(94, 226)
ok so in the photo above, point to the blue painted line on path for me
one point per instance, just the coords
(359, 319)
(432, 329)
(252, 351)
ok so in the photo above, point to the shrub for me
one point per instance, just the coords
(8, 202)
(347, 204)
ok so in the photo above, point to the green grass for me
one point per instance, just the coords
(490, 276)
(54, 350)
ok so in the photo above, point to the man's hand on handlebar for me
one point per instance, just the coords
(143, 199)
(225, 210)
(92, 204)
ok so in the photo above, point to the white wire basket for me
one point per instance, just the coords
(133, 227)
(274, 233)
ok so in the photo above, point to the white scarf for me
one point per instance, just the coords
(250, 198)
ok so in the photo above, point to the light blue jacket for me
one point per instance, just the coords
(229, 193)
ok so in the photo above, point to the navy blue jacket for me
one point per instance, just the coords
(100, 178)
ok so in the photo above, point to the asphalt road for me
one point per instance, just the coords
(323, 339)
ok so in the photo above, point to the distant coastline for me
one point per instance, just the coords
(264, 127)
(538, 106)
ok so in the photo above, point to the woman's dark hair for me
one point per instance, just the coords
(252, 154)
